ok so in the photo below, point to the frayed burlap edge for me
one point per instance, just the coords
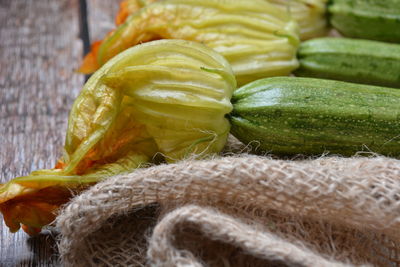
(358, 197)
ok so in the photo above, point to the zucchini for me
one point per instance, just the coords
(290, 116)
(352, 60)
(367, 19)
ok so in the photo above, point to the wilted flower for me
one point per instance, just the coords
(309, 14)
(257, 38)
(167, 96)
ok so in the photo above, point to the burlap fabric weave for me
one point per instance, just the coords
(239, 210)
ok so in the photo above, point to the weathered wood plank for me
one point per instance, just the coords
(101, 16)
(39, 51)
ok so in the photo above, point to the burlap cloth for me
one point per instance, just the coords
(239, 210)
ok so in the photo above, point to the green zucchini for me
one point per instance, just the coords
(352, 60)
(290, 116)
(367, 19)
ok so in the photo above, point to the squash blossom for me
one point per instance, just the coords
(167, 97)
(257, 38)
(309, 14)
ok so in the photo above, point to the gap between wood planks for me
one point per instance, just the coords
(84, 29)
(84, 26)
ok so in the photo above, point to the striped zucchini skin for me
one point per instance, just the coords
(352, 60)
(290, 116)
(367, 19)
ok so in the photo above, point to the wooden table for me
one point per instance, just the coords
(41, 45)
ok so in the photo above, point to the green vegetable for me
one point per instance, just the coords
(367, 19)
(289, 116)
(352, 60)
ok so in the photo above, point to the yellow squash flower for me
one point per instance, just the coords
(309, 14)
(167, 97)
(257, 38)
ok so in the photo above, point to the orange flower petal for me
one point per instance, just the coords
(124, 12)
(129, 7)
(34, 210)
(89, 64)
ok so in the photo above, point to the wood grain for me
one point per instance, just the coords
(101, 16)
(39, 52)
